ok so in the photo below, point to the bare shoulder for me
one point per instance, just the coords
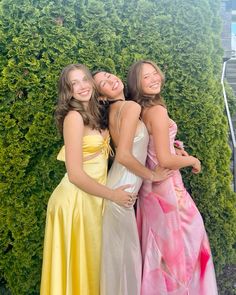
(73, 121)
(132, 106)
(156, 109)
(73, 116)
(156, 115)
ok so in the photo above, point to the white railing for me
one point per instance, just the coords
(231, 128)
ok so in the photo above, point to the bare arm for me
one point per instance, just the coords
(73, 129)
(128, 125)
(179, 148)
(157, 121)
(181, 152)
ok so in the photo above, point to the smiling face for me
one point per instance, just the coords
(109, 85)
(82, 88)
(150, 80)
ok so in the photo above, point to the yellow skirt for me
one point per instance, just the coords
(72, 244)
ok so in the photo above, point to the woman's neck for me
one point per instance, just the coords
(85, 104)
(121, 96)
(114, 100)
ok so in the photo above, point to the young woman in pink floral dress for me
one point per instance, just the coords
(175, 249)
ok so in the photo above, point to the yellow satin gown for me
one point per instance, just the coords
(72, 243)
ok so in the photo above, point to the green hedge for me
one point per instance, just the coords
(231, 99)
(37, 39)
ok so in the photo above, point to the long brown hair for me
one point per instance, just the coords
(66, 102)
(135, 91)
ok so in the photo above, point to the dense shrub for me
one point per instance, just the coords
(37, 39)
(231, 99)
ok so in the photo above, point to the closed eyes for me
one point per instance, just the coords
(102, 84)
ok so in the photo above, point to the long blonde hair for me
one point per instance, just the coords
(66, 102)
(135, 91)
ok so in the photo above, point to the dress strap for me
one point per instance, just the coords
(118, 116)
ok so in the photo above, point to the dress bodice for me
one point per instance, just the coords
(119, 174)
(96, 149)
(151, 145)
(92, 144)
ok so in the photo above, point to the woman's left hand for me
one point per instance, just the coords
(181, 152)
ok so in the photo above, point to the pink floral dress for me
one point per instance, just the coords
(175, 249)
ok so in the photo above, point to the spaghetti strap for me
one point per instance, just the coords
(118, 116)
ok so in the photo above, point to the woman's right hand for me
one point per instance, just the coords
(196, 166)
(122, 197)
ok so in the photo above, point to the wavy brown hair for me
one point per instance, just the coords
(66, 102)
(134, 87)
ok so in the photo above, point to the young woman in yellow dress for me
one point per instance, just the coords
(72, 244)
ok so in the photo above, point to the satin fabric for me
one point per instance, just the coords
(175, 249)
(72, 244)
(121, 255)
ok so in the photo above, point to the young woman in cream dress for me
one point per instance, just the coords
(121, 257)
